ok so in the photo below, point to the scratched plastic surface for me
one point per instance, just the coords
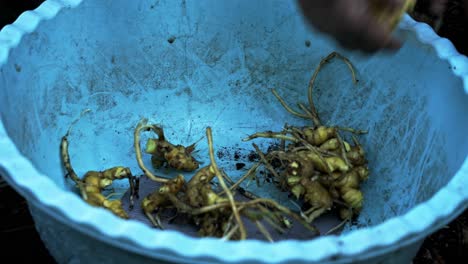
(191, 64)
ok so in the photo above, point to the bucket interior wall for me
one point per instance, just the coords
(191, 64)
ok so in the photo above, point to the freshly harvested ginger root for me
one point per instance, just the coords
(314, 163)
(317, 166)
(216, 214)
(163, 152)
(94, 182)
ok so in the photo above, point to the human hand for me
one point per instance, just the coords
(352, 22)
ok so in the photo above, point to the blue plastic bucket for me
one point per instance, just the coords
(192, 64)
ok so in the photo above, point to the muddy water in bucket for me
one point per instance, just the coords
(191, 64)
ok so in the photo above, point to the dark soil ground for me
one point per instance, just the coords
(448, 245)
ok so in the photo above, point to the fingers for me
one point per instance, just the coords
(363, 32)
(377, 38)
(370, 39)
(352, 23)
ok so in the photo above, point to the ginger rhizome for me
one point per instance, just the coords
(316, 165)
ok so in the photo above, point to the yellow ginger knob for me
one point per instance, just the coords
(391, 18)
